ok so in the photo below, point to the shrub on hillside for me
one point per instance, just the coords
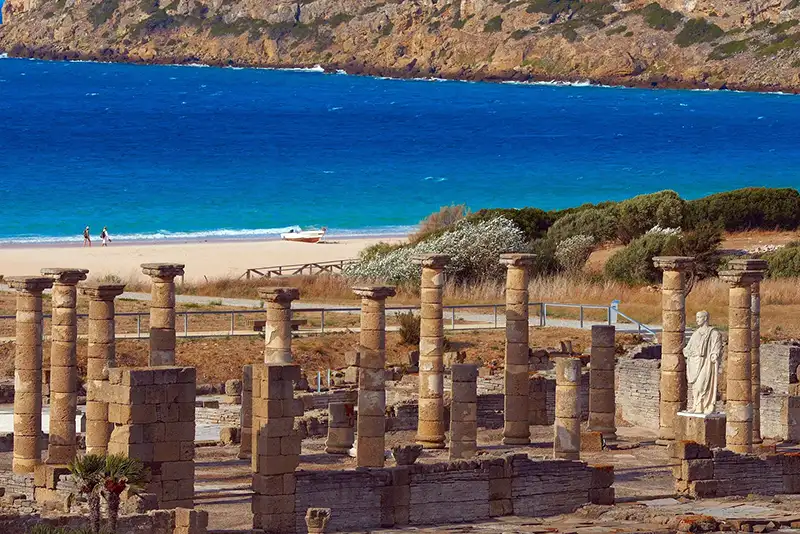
(639, 214)
(634, 264)
(785, 262)
(532, 221)
(703, 244)
(474, 249)
(573, 252)
(659, 18)
(698, 31)
(750, 208)
(545, 262)
(446, 217)
(601, 224)
(380, 248)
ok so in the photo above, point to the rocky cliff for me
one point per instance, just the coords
(751, 44)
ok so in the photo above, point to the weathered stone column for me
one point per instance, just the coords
(371, 422)
(162, 311)
(341, 431)
(755, 337)
(567, 435)
(464, 412)
(673, 385)
(101, 357)
(278, 328)
(516, 429)
(246, 439)
(62, 444)
(602, 404)
(28, 371)
(430, 426)
(739, 404)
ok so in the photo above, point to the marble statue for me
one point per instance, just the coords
(703, 354)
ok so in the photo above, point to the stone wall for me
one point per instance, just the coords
(179, 521)
(701, 472)
(637, 396)
(464, 490)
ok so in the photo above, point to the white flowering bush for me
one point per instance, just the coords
(573, 252)
(474, 249)
(660, 230)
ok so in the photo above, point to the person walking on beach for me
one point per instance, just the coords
(105, 237)
(87, 239)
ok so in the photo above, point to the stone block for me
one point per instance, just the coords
(602, 476)
(500, 508)
(703, 488)
(603, 496)
(591, 441)
(700, 469)
(688, 450)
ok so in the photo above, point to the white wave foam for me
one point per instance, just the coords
(3, 56)
(221, 234)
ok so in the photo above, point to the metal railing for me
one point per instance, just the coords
(457, 317)
(310, 268)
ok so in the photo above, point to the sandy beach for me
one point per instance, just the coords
(203, 259)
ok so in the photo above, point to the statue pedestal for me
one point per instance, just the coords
(706, 429)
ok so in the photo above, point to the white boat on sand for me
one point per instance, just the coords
(304, 236)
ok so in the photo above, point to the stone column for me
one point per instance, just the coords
(101, 357)
(278, 328)
(246, 439)
(673, 385)
(567, 435)
(738, 373)
(162, 311)
(371, 422)
(28, 371)
(62, 444)
(430, 426)
(602, 404)
(755, 337)
(341, 431)
(464, 412)
(516, 429)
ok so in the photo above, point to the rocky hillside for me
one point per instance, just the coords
(753, 44)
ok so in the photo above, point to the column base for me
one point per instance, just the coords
(706, 429)
(664, 442)
(516, 441)
(431, 444)
(338, 450)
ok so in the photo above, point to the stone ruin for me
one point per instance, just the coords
(150, 412)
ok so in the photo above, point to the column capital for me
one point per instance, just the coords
(673, 263)
(29, 284)
(375, 292)
(68, 276)
(279, 294)
(513, 259)
(747, 264)
(741, 278)
(432, 260)
(163, 270)
(99, 291)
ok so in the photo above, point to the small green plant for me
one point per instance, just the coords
(409, 328)
(87, 472)
(120, 473)
(494, 24)
(102, 12)
(617, 30)
(628, 34)
(783, 26)
(659, 18)
(569, 34)
(785, 262)
(387, 29)
(698, 31)
(792, 5)
(796, 64)
(339, 18)
(729, 49)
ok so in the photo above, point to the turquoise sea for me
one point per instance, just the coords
(177, 152)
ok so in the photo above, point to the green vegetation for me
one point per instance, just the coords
(409, 328)
(101, 12)
(339, 18)
(792, 5)
(519, 34)
(783, 26)
(748, 209)
(387, 29)
(569, 34)
(628, 34)
(617, 30)
(639, 214)
(494, 24)
(159, 20)
(784, 262)
(598, 223)
(576, 8)
(729, 49)
(781, 42)
(698, 31)
(532, 221)
(796, 64)
(149, 6)
(659, 18)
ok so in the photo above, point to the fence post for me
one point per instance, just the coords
(453, 319)
(581, 307)
(322, 321)
(186, 324)
(138, 326)
(232, 322)
(544, 314)
(248, 274)
(495, 315)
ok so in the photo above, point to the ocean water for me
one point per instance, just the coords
(177, 151)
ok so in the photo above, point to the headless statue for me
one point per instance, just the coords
(703, 354)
